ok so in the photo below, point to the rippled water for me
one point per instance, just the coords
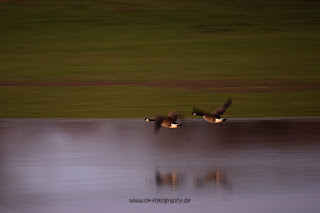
(243, 165)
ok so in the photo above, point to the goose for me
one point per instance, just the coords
(215, 116)
(165, 121)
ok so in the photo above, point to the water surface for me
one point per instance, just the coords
(99, 165)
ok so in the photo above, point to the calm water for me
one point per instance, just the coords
(58, 165)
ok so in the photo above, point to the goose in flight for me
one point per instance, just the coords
(165, 121)
(215, 116)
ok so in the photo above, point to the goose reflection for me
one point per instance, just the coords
(217, 177)
(170, 179)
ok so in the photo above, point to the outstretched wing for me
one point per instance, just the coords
(219, 111)
(173, 115)
(157, 123)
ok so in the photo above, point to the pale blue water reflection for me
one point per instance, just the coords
(97, 165)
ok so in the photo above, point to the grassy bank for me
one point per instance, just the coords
(121, 101)
(248, 40)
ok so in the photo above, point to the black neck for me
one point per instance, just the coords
(197, 113)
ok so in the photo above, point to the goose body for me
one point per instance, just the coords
(215, 116)
(212, 119)
(165, 121)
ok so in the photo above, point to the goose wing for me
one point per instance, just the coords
(157, 122)
(173, 115)
(220, 110)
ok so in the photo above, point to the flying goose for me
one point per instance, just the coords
(165, 121)
(215, 116)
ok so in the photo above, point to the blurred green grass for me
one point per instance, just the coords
(121, 101)
(157, 40)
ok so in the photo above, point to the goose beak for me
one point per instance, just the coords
(194, 113)
(147, 119)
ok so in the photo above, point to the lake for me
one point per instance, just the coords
(112, 165)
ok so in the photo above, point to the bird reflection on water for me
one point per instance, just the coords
(213, 178)
(171, 179)
(216, 177)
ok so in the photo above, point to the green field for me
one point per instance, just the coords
(251, 44)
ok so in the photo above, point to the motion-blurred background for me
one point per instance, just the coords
(138, 58)
(135, 58)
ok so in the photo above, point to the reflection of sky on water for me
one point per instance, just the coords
(78, 165)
